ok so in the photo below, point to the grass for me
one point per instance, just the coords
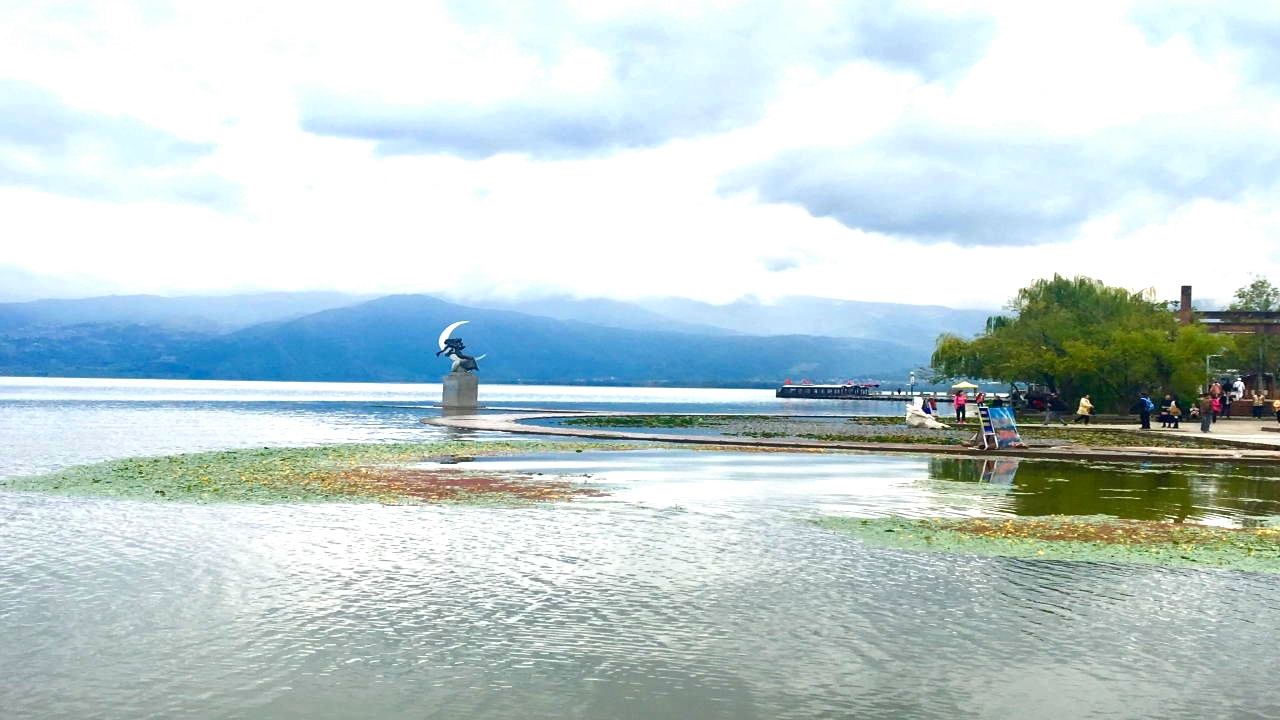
(1089, 538)
(333, 473)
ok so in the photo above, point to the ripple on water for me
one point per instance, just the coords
(593, 610)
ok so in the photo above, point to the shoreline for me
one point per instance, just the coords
(1239, 447)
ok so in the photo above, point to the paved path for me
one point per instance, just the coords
(1240, 429)
(1255, 445)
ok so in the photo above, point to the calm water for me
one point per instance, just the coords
(696, 589)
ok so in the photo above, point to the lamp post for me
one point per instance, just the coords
(911, 380)
(1208, 373)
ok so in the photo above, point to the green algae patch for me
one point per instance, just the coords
(655, 421)
(1087, 538)
(389, 473)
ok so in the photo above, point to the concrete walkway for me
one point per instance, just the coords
(1238, 429)
(1251, 444)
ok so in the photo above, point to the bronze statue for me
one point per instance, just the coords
(462, 363)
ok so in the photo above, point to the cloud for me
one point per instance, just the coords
(1244, 34)
(50, 146)
(934, 182)
(642, 78)
(780, 263)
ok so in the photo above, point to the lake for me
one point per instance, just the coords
(696, 588)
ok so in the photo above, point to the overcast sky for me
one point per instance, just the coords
(929, 153)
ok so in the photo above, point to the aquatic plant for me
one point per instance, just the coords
(893, 430)
(656, 421)
(382, 472)
(1085, 538)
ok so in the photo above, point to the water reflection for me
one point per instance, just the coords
(1214, 494)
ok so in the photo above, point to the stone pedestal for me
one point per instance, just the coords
(460, 391)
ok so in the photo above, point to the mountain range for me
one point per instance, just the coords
(551, 340)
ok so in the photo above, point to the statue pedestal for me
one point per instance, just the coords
(460, 391)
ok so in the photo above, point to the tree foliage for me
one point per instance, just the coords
(1080, 336)
(1254, 353)
(1259, 296)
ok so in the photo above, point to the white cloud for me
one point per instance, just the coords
(1184, 199)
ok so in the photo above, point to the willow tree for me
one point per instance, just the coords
(1080, 336)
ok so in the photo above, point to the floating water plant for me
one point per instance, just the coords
(1091, 538)
(392, 473)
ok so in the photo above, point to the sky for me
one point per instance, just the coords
(932, 153)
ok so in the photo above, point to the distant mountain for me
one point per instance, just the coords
(393, 339)
(330, 336)
(804, 315)
(212, 313)
(599, 311)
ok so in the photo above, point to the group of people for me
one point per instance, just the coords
(1170, 413)
(1214, 403)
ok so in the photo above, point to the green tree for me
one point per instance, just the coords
(1258, 296)
(1256, 351)
(1080, 336)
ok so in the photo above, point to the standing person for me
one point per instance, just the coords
(1206, 412)
(1175, 413)
(959, 402)
(933, 406)
(1226, 399)
(1275, 405)
(1237, 388)
(1145, 407)
(1085, 410)
(1053, 408)
(1258, 399)
(1215, 402)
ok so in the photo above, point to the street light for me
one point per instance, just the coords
(1208, 374)
(912, 381)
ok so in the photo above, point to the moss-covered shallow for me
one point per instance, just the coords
(384, 473)
(652, 421)
(893, 430)
(1089, 538)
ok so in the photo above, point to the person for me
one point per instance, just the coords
(1206, 412)
(933, 406)
(1237, 388)
(1258, 399)
(959, 402)
(997, 401)
(1227, 398)
(1215, 404)
(1165, 402)
(924, 406)
(1085, 410)
(1175, 413)
(1145, 407)
(980, 398)
(1053, 408)
(1275, 405)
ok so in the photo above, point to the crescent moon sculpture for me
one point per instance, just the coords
(449, 331)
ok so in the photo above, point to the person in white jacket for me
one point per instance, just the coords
(1085, 410)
